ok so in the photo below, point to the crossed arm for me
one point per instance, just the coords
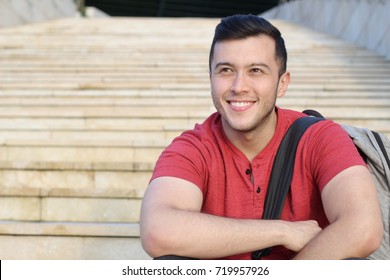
(352, 208)
(171, 223)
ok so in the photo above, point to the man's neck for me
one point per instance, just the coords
(251, 143)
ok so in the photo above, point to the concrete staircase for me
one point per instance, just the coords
(87, 105)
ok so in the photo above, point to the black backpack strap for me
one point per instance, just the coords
(281, 175)
(381, 146)
(313, 113)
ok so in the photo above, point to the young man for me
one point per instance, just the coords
(206, 196)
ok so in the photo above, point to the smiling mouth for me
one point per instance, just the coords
(240, 104)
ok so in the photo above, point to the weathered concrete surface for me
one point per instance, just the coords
(16, 12)
(365, 23)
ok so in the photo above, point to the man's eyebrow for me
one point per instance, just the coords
(223, 64)
(260, 64)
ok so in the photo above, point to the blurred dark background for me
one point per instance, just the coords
(181, 8)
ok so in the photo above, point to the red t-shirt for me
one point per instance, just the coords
(205, 157)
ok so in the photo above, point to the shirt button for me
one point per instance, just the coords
(248, 171)
(258, 189)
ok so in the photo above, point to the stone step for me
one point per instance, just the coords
(69, 209)
(151, 124)
(85, 135)
(70, 241)
(75, 179)
(108, 112)
(97, 151)
(72, 191)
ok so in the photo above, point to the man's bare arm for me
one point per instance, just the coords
(351, 205)
(171, 223)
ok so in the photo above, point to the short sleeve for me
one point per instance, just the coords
(331, 151)
(183, 159)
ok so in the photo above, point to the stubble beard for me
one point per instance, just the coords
(257, 123)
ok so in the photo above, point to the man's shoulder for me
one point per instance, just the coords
(289, 113)
(202, 139)
(210, 128)
(289, 116)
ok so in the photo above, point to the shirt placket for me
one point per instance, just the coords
(258, 193)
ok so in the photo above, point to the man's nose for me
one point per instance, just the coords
(240, 83)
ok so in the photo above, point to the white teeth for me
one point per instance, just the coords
(240, 104)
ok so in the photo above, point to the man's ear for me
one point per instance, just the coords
(284, 81)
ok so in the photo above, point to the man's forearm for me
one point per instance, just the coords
(342, 239)
(198, 235)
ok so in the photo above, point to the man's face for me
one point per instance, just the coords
(245, 82)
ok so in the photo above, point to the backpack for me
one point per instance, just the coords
(374, 147)
(375, 150)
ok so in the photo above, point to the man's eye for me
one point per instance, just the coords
(257, 70)
(226, 69)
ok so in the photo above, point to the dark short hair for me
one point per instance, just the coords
(243, 26)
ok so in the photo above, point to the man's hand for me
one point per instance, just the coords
(300, 233)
